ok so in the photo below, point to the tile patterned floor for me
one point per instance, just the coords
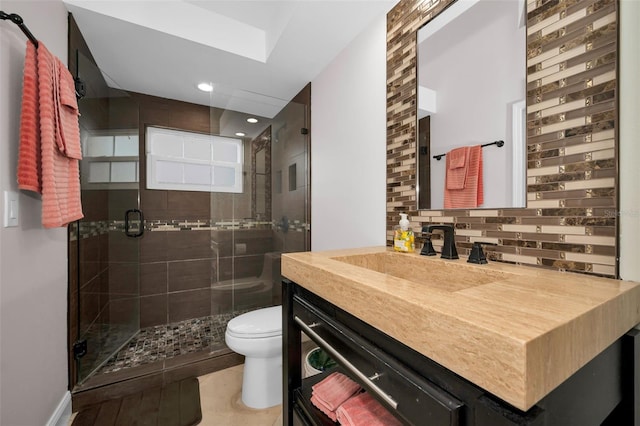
(166, 341)
(153, 344)
(220, 391)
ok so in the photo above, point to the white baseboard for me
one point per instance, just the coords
(62, 413)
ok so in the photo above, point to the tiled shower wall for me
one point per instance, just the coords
(190, 243)
(194, 241)
(570, 219)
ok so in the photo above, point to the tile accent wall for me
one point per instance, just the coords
(571, 216)
(94, 229)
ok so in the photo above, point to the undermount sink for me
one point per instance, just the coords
(434, 272)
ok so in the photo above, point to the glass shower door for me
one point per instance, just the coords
(252, 228)
(108, 247)
(290, 180)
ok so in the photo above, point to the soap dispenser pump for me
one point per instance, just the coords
(403, 239)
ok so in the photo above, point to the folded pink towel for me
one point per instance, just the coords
(322, 407)
(364, 410)
(457, 157)
(457, 168)
(471, 195)
(334, 390)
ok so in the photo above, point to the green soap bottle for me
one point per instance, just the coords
(403, 238)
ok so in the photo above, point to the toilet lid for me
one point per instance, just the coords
(265, 322)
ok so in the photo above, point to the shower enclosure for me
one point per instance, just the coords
(184, 226)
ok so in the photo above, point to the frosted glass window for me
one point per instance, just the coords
(224, 176)
(168, 172)
(224, 151)
(99, 172)
(167, 145)
(124, 171)
(126, 146)
(197, 149)
(99, 146)
(197, 174)
(187, 161)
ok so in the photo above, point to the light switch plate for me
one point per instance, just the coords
(11, 208)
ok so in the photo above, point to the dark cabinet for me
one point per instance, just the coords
(418, 391)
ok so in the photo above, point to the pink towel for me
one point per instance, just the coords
(322, 407)
(364, 410)
(333, 391)
(472, 193)
(49, 158)
(457, 167)
(29, 152)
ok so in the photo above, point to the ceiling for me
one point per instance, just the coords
(257, 54)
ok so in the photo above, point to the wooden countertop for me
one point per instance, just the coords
(515, 331)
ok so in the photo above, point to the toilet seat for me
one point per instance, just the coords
(257, 324)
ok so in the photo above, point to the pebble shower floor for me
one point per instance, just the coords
(162, 342)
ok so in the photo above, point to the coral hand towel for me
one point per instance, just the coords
(334, 390)
(50, 150)
(471, 195)
(29, 152)
(364, 410)
(457, 167)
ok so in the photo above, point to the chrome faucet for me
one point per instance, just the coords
(449, 248)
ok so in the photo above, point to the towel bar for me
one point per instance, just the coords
(500, 144)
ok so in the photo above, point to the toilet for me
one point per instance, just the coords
(258, 336)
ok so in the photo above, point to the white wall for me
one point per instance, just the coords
(629, 139)
(348, 146)
(33, 261)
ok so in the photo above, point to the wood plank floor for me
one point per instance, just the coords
(176, 404)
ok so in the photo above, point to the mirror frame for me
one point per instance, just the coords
(517, 145)
(570, 222)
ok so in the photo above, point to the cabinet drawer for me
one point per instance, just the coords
(405, 393)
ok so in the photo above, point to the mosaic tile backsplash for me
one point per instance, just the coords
(571, 217)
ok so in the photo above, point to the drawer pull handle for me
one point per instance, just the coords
(375, 376)
(346, 364)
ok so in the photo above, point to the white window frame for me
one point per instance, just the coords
(89, 159)
(157, 151)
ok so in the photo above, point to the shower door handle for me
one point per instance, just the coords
(127, 230)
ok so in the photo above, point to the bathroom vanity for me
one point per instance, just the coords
(442, 342)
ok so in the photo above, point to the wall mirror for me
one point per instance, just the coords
(471, 91)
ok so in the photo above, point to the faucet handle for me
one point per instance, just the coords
(477, 255)
(449, 247)
(427, 245)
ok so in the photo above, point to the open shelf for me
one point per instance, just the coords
(303, 399)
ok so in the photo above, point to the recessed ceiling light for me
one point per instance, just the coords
(252, 120)
(240, 134)
(205, 87)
